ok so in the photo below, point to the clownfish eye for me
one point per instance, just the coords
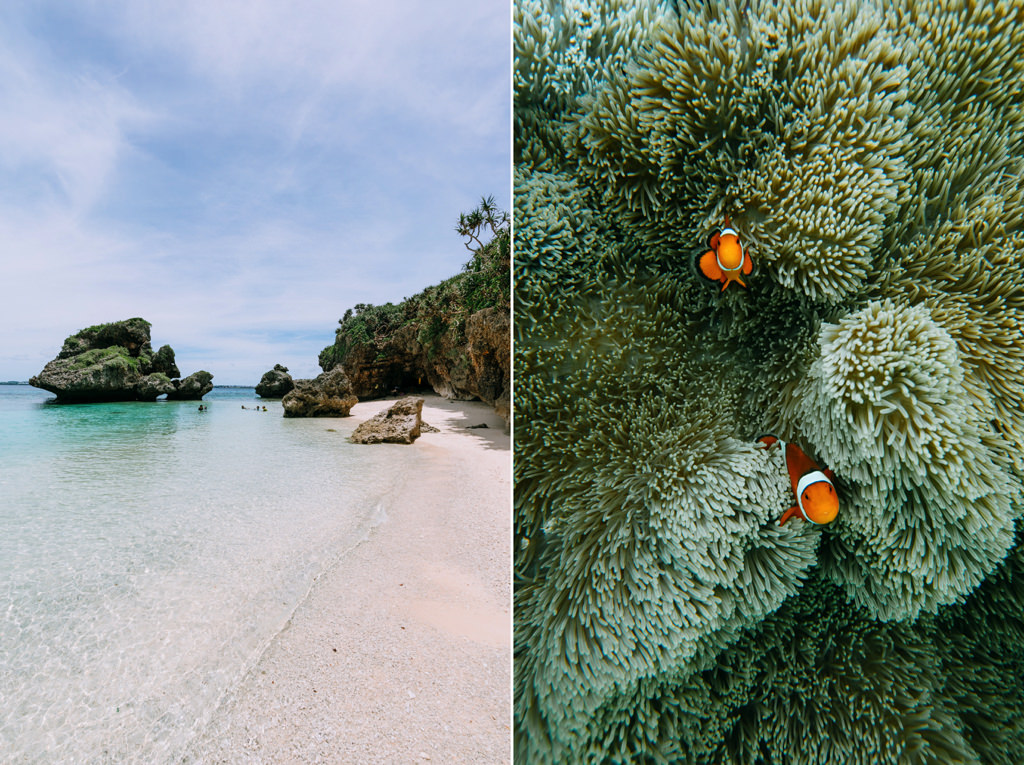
(806, 495)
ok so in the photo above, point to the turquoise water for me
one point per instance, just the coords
(148, 553)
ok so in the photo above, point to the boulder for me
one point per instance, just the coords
(111, 362)
(276, 383)
(192, 388)
(329, 395)
(400, 424)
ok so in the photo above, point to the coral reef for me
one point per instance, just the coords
(661, 615)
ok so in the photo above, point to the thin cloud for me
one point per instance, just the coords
(239, 173)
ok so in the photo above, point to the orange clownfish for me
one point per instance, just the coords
(816, 497)
(726, 260)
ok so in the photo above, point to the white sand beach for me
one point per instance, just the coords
(401, 653)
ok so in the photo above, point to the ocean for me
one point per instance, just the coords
(150, 551)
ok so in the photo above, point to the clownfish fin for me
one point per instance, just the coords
(829, 474)
(791, 513)
(707, 265)
(748, 263)
(768, 439)
(713, 238)
(730, 278)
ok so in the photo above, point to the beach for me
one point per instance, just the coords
(401, 650)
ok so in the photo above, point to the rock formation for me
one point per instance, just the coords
(329, 395)
(192, 388)
(400, 424)
(453, 337)
(490, 349)
(153, 385)
(276, 383)
(163, 361)
(116, 362)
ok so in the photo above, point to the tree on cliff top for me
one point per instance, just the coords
(473, 223)
(440, 311)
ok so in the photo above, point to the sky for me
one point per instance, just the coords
(239, 172)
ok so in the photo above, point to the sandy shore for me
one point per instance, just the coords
(401, 653)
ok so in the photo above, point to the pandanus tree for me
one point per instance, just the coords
(476, 222)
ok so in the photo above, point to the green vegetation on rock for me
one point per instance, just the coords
(116, 362)
(423, 340)
(439, 311)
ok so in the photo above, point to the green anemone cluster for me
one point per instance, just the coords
(869, 155)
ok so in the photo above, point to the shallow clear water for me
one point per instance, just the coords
(149, 551)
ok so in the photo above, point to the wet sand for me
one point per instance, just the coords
(401, 653)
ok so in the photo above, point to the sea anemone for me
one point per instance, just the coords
(662, 615)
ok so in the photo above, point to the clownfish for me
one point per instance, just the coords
(726, 260)
(816, 497)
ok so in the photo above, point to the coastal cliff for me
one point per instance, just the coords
(452, 338)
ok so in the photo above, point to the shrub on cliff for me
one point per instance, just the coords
(436, 317)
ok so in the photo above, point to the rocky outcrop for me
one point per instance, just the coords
(276, 383)
(381, 370)
(489, 347)
(192, 388)
(453, 338)
(154, 385)
(113, 362)
(163, 361)
(329, 395)
(400, 424)
(131, 334)
(474, 363)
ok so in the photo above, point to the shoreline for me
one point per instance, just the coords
(401, 651)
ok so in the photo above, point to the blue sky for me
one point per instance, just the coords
(239, 172)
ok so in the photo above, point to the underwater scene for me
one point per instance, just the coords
(769, 285)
